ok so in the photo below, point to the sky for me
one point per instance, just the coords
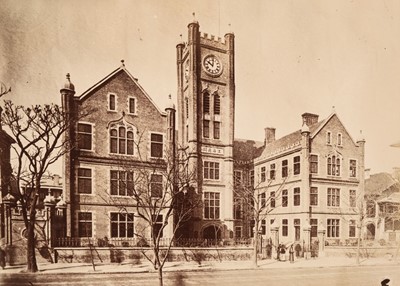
(291, 57)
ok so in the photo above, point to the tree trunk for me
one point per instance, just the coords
(31, 255)
(160, 276)
(255, 248)
(358, 246)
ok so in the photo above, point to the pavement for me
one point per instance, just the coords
(320, 262)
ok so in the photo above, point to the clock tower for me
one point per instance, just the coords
(206, 108)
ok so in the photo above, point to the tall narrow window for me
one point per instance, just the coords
(251, 179)
(353, 168)
(156, 185)
(296, 223)
(263, 200)
(211, 205)
(263, 227)
(122, 225)
(85, 224)
(313, 164)
(156, 145)
(84, 181)
(333, 197)
(314, 227)
(284, 198)
(314, 196)
(206, 103)
(285, 227)
(272, 199)
(272, 171)
(111, 102)
(206, 128)
(284, 168)
(339, 139)
(217, 130)
(262, 174)
(237, 176)
(333, 228)
(296, 196)
(352, 228)
(238, 208)
(217, 104)
(352, 198)
(328, 138)
(84, 136)
(121, 140)
(296, 165)
(132, 105)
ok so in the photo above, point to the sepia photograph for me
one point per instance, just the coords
(214, 142)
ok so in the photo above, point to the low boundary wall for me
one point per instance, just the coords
(135, 255)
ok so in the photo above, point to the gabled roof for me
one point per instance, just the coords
(111, 75)
(293, 140)
(246, 150)
(290, 141)
(392, 198)
(381, 183)
(322, 124)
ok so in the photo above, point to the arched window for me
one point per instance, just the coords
(121, 140)
(333, 164)
(206, 102)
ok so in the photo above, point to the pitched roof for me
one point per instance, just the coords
(246, 150)
(111, 75)
(392, 198)
(291, 140)
(381, 183)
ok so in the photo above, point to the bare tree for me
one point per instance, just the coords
(257, 199)
(161, 194)
(39, 142)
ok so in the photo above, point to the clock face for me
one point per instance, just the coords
(212, 65)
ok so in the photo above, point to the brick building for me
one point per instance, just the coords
(118, 129)
(311, 179)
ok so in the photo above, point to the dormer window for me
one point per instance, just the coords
(112, 102)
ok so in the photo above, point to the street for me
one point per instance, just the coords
(365, 275)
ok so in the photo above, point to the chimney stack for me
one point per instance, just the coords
(269, 135)
(309, 118)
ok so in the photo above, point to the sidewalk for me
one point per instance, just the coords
(58, 268)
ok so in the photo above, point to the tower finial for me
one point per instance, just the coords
(194, 16)
(68, 76)
(122, 63)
